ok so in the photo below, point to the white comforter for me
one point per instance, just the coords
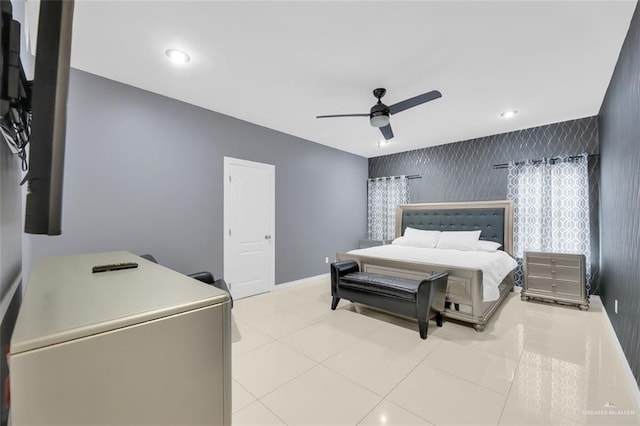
(494, 265)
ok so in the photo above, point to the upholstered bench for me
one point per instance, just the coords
(419, 299)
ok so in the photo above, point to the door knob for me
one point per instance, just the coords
(267, 237)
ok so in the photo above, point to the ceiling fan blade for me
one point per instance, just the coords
(387, 132)
(415, 101)
(342, 115)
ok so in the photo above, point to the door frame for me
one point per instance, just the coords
(226, 221)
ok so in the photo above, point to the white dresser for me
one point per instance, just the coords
(137, 346)
(555, 277)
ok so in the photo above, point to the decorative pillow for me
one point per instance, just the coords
(420, 238)
(398, 241)
(460, 240)
(490, 246)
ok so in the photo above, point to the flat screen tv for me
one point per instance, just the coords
(43, 210)
(44, 125)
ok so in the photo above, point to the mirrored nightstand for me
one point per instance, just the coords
(555, 277)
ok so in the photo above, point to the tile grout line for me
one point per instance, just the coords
(488, 352)
(288, 381)
(313, 360)
(469, 381)
(255, 398)
(272, 412)
(311, 324)
(384, 397)
(260, 399)
(406, 376)
(506, 399)
(276, 340)
(306, 371)
(252, 349)
(346, 347)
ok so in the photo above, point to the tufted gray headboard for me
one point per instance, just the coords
(493, 218)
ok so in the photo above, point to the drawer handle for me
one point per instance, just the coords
(553, 284)
(553, 261)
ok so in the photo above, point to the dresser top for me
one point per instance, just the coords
(65, 300)
(553, 255)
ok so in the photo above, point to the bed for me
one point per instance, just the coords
(477, 284)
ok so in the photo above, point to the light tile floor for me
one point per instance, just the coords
(297, 362)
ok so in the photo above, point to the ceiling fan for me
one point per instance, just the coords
(379, 114)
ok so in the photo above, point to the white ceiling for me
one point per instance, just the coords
(279, 64)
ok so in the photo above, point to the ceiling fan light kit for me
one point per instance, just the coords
(379, 119)
(177, 56)
(509, 114)
(379, 113)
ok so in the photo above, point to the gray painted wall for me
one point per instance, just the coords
(620, 217)
(10, 190)
(10, 218)
(144, 173)
(463, 171)
(10, 231)
(10, 254)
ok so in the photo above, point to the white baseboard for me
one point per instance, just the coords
(300, 282)
(625, 363)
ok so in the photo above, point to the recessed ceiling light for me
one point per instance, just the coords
(177, 56)
(509, 114)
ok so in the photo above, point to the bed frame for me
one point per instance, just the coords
(464, 290)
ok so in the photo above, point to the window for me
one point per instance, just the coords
(551, 208)
(383, 197)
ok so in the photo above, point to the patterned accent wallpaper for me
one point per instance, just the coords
(620, 144)
(463, 171)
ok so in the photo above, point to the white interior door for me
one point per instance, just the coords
(249, 211)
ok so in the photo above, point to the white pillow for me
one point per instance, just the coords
(490, 246)
(398, 241)
(420, 238)
(460, 240)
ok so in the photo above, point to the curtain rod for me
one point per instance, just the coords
(397, 177)
(553, 159)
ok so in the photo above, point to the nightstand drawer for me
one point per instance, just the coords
(569, 288)
(572, 262)
(553, 272)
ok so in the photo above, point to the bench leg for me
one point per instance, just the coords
(334, 303)
(439, 319)
(423, 326)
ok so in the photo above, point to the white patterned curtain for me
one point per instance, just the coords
(551, 208)
(384, 196)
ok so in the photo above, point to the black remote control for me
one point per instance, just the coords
(114, 267)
